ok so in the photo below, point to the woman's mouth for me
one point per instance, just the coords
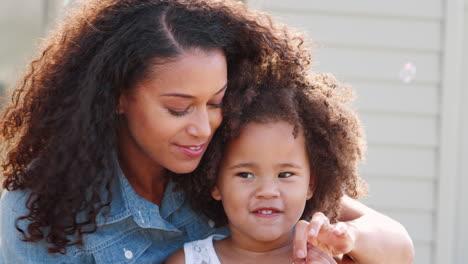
(192, 151)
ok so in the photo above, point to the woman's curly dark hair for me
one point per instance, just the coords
(333, 134)
(60, 131)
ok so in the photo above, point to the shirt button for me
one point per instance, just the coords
(128, 254)
(211, 223)
(141, 217)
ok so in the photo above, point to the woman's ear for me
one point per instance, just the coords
(121, 105)
(216, 194)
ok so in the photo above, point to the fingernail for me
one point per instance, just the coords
(312, 232)
(340, 228)
(300, 254)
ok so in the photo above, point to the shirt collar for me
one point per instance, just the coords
(172, 200)
(127, 203)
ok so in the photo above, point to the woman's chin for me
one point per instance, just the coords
(184, 168)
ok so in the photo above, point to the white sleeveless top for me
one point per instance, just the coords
(202, 251)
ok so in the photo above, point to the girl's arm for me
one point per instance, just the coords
(366, 235)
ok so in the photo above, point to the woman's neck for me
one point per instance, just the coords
(147, 183)
(241, 249)
(146, 177)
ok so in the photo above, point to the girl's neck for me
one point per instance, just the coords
(241, 249)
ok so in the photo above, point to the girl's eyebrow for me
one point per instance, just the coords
(242, 165)
(290, 165)
(253, 165)
(191, 96)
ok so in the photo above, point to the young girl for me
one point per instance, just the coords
(293, 152)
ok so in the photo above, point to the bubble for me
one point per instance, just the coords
(407, 72)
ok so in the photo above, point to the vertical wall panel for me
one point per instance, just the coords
(367, 44)
(461, 250)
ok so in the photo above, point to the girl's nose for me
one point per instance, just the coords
(267, 189)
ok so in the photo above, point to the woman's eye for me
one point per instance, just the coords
(178, 113)
(220, 105)
(285, 174)
(246, 175)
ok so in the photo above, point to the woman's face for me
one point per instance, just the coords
(169, 119)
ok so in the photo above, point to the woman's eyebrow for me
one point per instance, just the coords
(191, 96)
(222, 89)
(177, 95)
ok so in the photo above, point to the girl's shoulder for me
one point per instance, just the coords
(198, 251)
(202, 251)
(178, 257)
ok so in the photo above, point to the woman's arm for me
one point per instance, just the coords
(378, 238)
(366, 235)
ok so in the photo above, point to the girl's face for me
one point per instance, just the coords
(168, 121)
(264, 182)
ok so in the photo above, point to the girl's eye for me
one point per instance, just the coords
(245, 175)
(285, 174)
(178, 113)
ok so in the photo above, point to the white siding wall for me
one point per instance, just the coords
(20, 25)
(366, 43)
(461, 250)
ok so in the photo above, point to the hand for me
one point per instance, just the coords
(316, 256)
(334, 239)
(345, 259)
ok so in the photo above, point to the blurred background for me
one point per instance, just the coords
(407, 60)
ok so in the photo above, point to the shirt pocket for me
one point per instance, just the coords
(126, 248)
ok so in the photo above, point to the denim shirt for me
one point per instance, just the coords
(135, 230)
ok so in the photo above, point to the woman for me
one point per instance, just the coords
(124, 92)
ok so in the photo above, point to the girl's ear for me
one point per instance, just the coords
(311, 189)
(216, 194)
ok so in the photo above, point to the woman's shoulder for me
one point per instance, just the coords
(13, 204)
(12, 247)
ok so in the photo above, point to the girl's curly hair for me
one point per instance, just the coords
(60, 131)
(334, 142)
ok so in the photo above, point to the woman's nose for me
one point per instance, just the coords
(200, 126)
